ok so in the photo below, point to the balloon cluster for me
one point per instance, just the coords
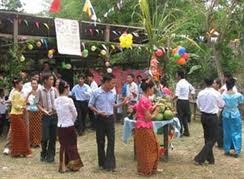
(180, 55)
(50, 53)
(126, 40)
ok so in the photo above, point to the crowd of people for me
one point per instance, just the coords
(41, 112)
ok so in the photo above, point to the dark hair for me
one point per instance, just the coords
(33, 79)
(208, 81)
(228, 75)
(62, 85)
(163, 82)
(90, 75)
(230, 83)
(218, 82)
(132, 75)
(181, 74)
(16, 81)
(107, 77)
(46, 76)
(145, 85)
(138, 76)
(82, 76)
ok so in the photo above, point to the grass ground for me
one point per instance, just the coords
(180, 163)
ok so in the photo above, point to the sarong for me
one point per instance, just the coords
(19, 139)
(35, 128)
(69, 157)
(147, 151)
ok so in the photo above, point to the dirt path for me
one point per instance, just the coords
(179, 166)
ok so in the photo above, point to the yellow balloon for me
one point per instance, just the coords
(130, 36)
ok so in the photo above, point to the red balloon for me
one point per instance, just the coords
(159, 52)
(181, 61)
(185, 56)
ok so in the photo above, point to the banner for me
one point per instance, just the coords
(68, 36)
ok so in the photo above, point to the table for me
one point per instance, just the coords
(129, 125)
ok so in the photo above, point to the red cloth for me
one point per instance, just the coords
(55, 6)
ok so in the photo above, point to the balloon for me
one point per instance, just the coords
(51, 52)
(182, 50)
(181, 61)
(50, 56)
(103, 52)
(38, 44)
(85, 53)
(30, 46)
(109, 70)
(93, 48)
(22, 58)
(126, 40)
(68, 66)
(185, 56)
(107, 64)
(176, 56)
(159, 52)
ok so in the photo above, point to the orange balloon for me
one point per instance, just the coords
(181, 61)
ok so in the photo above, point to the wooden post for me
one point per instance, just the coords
(107, 34)
(15, 31)
(166, 142)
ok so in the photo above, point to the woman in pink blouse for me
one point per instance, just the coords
(147, 148)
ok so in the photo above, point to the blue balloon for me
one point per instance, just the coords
(182, 50)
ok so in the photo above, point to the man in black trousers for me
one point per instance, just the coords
(208, 101)
(102, 103)
(182, 92)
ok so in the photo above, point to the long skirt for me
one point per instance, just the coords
(69, 157)
(232, 134)
(18, 138)
(147, 151)
(35, 128)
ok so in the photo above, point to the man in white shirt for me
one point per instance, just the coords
(182, 92)
(132, 89)
(93, 85)
(208, 101)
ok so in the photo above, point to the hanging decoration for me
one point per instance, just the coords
(109, 70)
(88, 8)
(126, 40)
(180, 55)
(154, 70)
(159, 52)
(107, 64)
(103, 52)
(50, 53)
(68, 66)
(93, 48)
(30, 46)
(22, 58)
(85, 53)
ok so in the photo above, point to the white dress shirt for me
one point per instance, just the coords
(66, 111)
(183, 89)
(93, 85)
(130, 89)
(209, 101)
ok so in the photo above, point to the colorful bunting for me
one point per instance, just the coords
(55, 6)
(88, 8)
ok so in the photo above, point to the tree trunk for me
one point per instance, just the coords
(217, 58)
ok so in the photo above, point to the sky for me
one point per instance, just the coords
(34, 6)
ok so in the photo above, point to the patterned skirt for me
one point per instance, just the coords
(69, 157)
(147, 151)
(35, 128)
(19, 139)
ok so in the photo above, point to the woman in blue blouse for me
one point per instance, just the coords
(232, 123)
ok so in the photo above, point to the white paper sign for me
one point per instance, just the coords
(68, 36)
